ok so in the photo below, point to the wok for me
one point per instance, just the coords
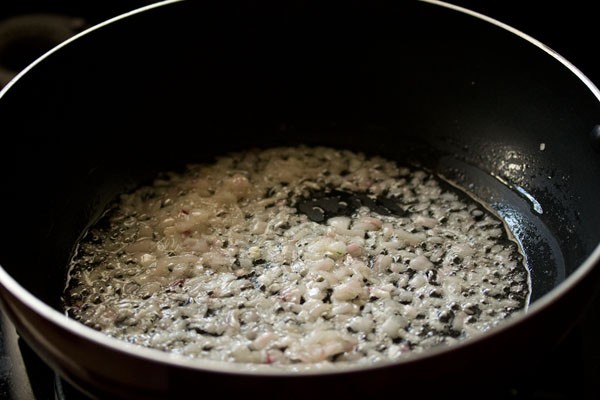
(419, 82)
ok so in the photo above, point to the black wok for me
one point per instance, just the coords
(184, 81)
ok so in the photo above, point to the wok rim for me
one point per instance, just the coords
(8, 283)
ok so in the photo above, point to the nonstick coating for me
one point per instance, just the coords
(184, 82)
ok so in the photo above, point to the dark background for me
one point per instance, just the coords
(572, 371)
(568, 27)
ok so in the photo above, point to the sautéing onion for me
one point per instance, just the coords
(296, 255)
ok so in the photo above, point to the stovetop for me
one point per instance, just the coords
(570, 371)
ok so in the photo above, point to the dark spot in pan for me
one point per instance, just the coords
(320, 205)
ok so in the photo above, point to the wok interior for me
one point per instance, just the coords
(108, 111)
